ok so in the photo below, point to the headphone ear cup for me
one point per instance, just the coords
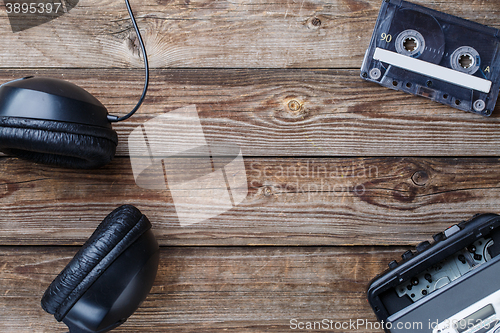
(117, 232)
(59, 143)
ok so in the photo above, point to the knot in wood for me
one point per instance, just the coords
(316, 22)
(420, 178)
(294, 105)
(267, 191)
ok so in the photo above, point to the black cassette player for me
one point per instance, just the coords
(451, 285)
(435, 55)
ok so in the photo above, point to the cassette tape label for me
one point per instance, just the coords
(431, 70)
(432, 54)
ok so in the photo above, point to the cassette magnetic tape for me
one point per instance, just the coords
(449, 286)
(435, 55)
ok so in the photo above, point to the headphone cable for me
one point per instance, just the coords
(146, 66)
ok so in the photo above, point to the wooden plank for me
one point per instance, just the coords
(299, 201)
(212, 289)
(212, 33)
(339, 114)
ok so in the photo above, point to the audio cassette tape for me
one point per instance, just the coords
(442, 57)
(449, 286)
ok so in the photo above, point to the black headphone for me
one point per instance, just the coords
(55, 122)
(109, 277)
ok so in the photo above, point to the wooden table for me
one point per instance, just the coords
(281, 81)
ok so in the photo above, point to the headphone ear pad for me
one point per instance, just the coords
(114, 235)
(59, 143)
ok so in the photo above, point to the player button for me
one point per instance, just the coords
(451, 230)
(438, 237)
(407, 255)
(393, 264)
(423, 246)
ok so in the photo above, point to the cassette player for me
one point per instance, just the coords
(435, 55)
(451, 285)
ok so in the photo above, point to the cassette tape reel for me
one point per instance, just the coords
(435, 55)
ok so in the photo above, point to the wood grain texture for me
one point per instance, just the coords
(330, 183)
(217, 289)
(212, 33)
(339, 114)
(291, 201)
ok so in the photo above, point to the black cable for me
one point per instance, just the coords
(146, 65)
